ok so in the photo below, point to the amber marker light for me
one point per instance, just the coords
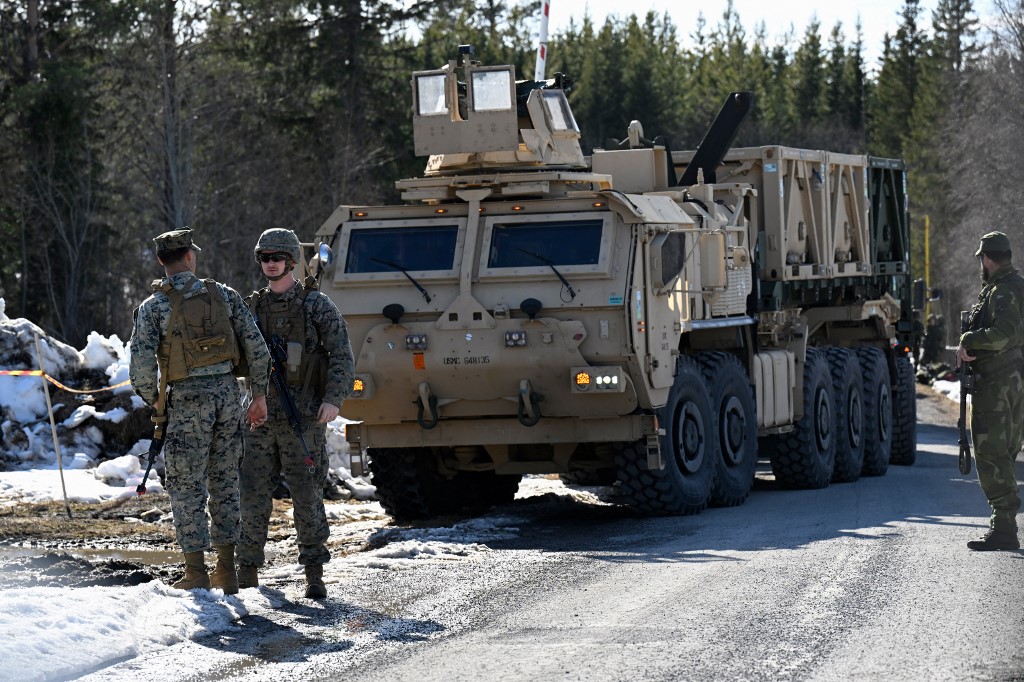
(582, 380)
(358, 386)
(598, 204)
(440, 210)
(360, 214)
(517, 208)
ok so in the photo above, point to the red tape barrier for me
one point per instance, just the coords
(40, 373)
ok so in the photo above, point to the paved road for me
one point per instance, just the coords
(869, 580)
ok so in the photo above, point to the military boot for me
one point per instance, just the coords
(195, 573)
(995, 540)
(315, 588)
(248, 576)
(224, 574)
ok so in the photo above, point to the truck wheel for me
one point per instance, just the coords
(407, 486)
(904, 415)
(848, 385)
(804, 457)
(732, 402)
(877, 411)
(689, 450)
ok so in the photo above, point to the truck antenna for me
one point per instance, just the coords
(542, 45)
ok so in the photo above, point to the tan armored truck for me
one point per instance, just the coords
(651, 319)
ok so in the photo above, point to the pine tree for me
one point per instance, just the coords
(897, 84)
(937, 114)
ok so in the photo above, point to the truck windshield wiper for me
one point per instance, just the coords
(547, 262)
(396, 266)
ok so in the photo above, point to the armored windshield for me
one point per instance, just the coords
(383, 249)
(569, 242)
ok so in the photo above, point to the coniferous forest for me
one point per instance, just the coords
(121, 120)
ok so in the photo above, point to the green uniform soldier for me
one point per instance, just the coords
(319, 371)
(934, 339)
(993, 346)
(195, 332)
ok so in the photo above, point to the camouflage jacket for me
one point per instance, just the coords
(151, 324)
(324, 326)
(997, 322)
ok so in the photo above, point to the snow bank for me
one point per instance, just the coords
(79, 630)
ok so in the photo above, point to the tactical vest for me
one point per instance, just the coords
(199, 331)
(286, 320)
(983, 316)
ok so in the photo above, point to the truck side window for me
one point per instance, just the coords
(566, 242)
(411, 248)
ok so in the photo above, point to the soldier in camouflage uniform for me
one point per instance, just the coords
(993, 346)
(191, 330)
(319, 374)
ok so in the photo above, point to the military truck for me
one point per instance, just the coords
(651, 319)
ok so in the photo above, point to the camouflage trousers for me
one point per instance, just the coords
(201, 452)
(270, 451)
(997, 422)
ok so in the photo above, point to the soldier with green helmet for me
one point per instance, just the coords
(187, 338)
(319, 372)
(993, 344)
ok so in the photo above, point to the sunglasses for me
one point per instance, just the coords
(275, 257)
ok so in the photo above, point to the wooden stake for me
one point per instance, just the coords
(53, 427)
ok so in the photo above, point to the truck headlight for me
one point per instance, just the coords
(598, 380)
(415, 341)
(515, 338)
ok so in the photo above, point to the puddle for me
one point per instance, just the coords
(32, 567)
(139, 556)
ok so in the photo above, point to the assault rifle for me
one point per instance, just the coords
(278, 358)
(966, 388)
(159, 426)
(155, 446)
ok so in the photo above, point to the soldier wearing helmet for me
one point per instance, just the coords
(993, 345)
(320, 368)
(196, 331)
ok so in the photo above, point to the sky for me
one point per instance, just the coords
(877, 17)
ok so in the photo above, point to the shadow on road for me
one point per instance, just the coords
(873, 509)
(333, 626)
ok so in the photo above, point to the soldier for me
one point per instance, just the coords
(934, 339)
(192, 329)
(319, 374)
(993, 344)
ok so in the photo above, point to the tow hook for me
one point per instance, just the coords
(427, 401)
(529, 410)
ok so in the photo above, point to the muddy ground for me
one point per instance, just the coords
(131, 541)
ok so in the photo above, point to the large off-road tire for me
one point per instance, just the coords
(689, 450)
(904, 415)
(732, 402)
(848, 385)
(877, 411)
(408, 487)
(804, 457)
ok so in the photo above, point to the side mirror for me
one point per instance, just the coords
(322, 261)
(668, 255)
(918, 295)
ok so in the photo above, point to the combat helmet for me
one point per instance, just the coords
(279, 240)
